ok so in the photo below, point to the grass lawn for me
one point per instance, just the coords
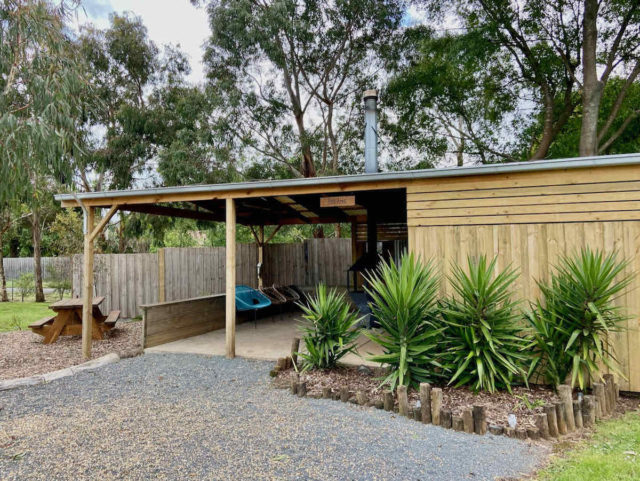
(612, 454)
(18, 315)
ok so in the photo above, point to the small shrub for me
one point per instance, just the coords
(571, 323)
(483, 342)
(26, 285)
(405, 305)
(331, 329)
(59, 278)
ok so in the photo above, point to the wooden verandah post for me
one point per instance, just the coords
(90, 234)
(230, 301)
(87, 277)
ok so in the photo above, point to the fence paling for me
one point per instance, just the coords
(130, 280)
(14, 267)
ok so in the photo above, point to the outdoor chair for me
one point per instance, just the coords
(249, 299)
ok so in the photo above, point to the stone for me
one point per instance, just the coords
(496, 430)
(365, 370)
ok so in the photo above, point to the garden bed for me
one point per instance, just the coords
(22, 353)
(498, 405)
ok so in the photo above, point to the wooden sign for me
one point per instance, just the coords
(338, 201)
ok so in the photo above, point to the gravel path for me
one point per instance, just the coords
(172, 416)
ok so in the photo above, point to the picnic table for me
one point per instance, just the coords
(67, 320)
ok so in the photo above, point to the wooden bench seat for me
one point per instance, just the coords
(111, 319)
(41, 322)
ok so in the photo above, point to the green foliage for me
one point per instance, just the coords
(450, 94)
(64, 236)
(312, 57)
(482, 336)
(526, 402)
(405, 305)
(610, 454)
(59, 278)
(331, 329)
(25, 285)
(570, 325)
(43, 95)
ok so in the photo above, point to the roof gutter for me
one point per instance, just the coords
(516, 167)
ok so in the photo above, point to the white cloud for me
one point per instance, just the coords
(168, 21)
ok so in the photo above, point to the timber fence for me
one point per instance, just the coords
(128, 281)
(14, 267)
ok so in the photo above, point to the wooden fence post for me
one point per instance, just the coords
(161, 273)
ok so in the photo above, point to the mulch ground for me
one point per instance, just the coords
(499, 404)
(22, 353)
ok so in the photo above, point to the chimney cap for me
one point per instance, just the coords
(372, 93)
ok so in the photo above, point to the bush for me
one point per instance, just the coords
(26, 285)
(405, 305)
(572, 322)
(483, 343)
(59, 278)
(331, 330)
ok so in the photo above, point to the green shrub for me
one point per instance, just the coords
(571, 323)
(483, 339)
(59, 278)
(405, 305)
(26, 285)
(330, 331)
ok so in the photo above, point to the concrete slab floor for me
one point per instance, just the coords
(268, 339)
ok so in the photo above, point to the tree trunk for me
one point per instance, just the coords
(37, 261)
(121, 240)
(592, 86)
(460, 153)
(307, 168)
(3, 280)
(547, 128)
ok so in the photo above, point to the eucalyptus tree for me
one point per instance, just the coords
(41, 106)
(290, 73)
(561, 48)
(449, 93)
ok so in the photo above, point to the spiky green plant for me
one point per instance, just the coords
(330, 330)
(484, 342)
(405, 305)
(571, 323)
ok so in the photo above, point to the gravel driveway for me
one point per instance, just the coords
(173, 416)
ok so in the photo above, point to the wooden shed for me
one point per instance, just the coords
(526, 214)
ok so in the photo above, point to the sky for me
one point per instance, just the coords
(167, 21)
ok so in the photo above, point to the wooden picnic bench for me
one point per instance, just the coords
(67, 320)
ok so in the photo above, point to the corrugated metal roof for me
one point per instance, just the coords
(529, 166)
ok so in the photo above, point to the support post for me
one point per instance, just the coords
(230, 302)
(260, 254)
(161, 278)
(87, 294)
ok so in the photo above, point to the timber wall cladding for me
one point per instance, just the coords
(528, 220)
(170, 321)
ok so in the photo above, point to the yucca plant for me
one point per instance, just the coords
(484, 341)
(404, 302)
(330, 330)
(571, 323)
